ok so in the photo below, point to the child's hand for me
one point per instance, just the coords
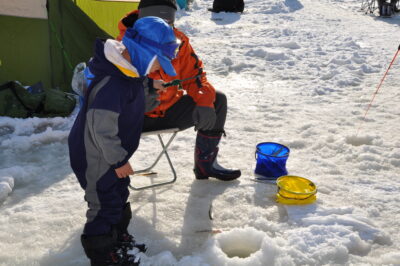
(158, 85)
(124, 171)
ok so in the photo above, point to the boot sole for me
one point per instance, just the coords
(200, 176)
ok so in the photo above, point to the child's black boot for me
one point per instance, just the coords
(104, 250)
(127, 240)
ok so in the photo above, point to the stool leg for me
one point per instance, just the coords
(163, 152)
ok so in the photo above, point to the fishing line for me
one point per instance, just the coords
(377, 89)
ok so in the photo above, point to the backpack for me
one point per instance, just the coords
(228, 6)
(18, 102)
(81, 80)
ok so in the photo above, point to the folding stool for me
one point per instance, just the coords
(164, 151)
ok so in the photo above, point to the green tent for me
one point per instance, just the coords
(43, 40)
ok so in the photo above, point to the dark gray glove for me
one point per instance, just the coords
(204, 118)
(150, 95)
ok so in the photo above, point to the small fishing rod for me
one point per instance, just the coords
(177, 82)
(377, 89)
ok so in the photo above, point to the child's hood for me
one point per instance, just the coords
(108, 60)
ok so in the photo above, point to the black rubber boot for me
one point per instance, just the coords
(104, 250)
(127, 240)
(205, 158)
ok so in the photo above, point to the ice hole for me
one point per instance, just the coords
(241, 243)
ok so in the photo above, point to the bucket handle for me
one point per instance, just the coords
(277, 152)
(271, 155)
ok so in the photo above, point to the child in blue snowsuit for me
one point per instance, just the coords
(107, 130)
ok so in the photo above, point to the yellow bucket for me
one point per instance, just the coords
(295, 190)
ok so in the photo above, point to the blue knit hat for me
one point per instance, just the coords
(149, 37)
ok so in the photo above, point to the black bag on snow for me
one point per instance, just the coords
(228, 6)
(57, 103)
(19, 102)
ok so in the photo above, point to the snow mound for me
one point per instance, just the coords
(23, 134)
(278, 6)
(6, 187)
(275, 54)
(331, 235)
(359, 140)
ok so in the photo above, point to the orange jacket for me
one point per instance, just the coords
(186, 65)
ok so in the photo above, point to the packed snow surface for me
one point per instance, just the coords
(296, 72)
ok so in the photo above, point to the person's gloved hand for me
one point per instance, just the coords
(204, 118)
(151, 95)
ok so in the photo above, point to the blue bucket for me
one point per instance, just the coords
(271, 159)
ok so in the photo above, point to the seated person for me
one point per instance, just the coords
(201, 106)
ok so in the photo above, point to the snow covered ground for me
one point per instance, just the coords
(297, 72)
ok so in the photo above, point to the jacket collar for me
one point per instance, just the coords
(113, 52)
